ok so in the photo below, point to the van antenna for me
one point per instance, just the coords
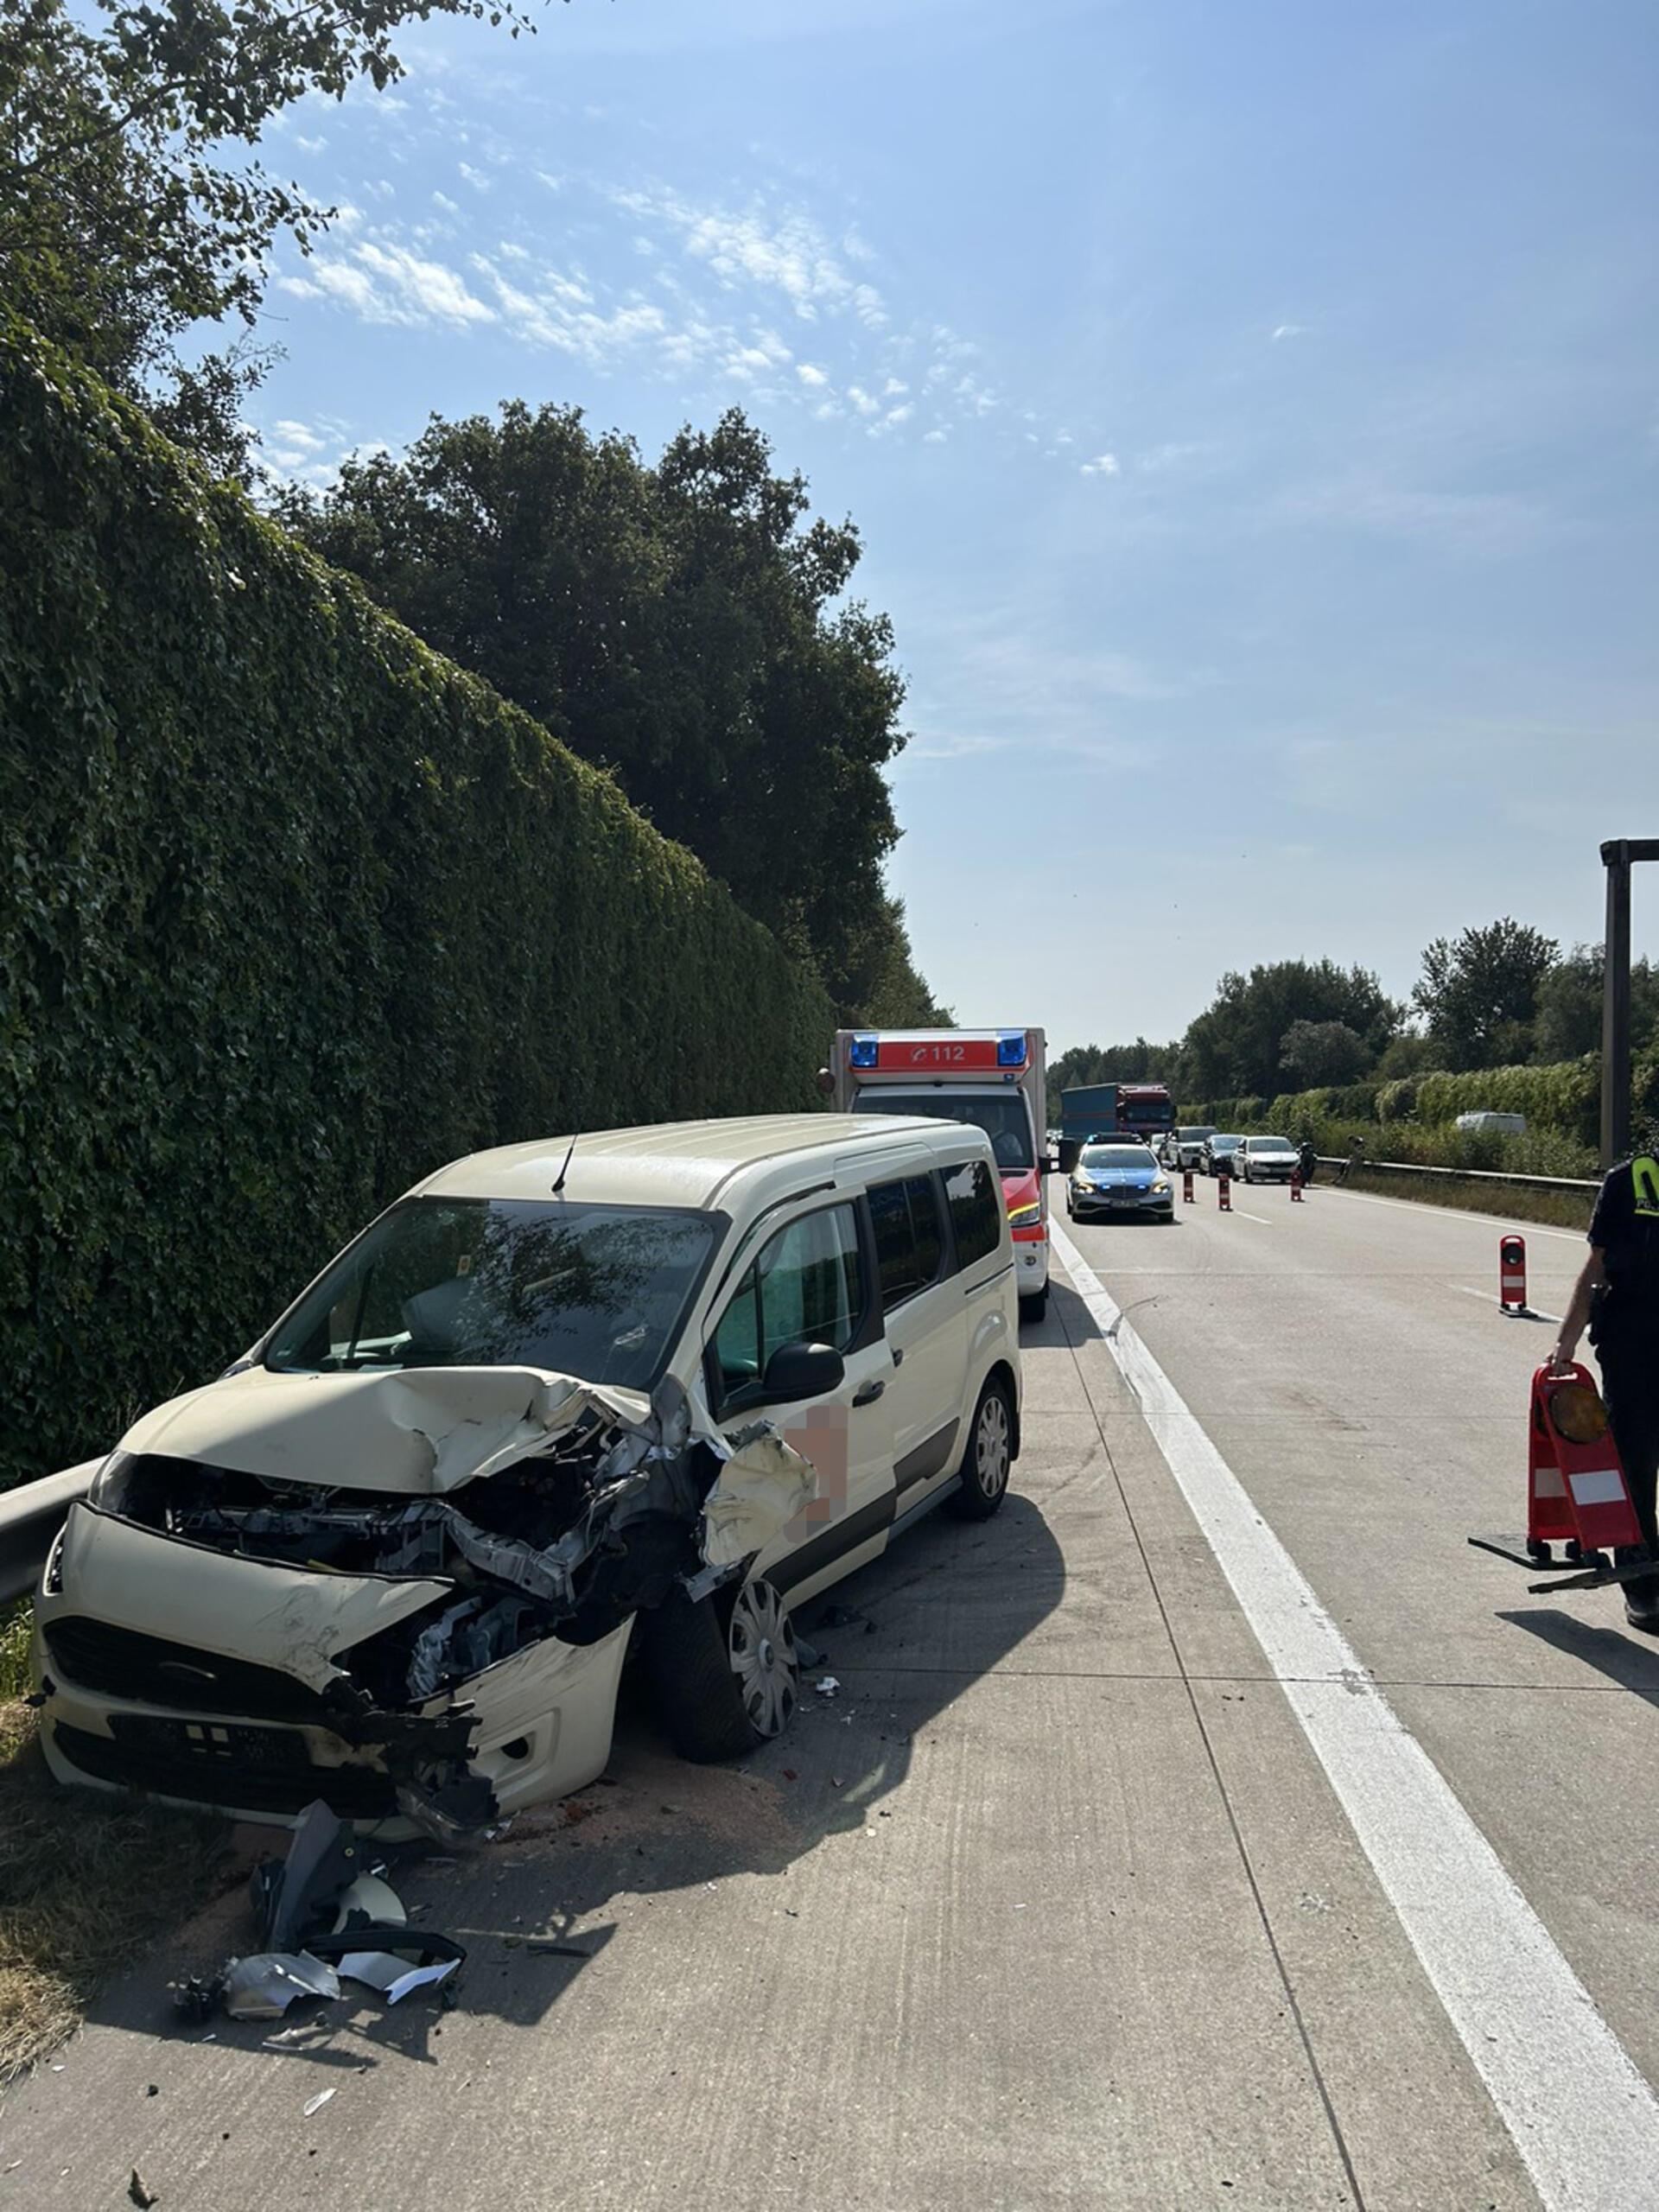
(558, 1187)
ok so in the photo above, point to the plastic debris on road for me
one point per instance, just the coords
(827, 1687)
(315, 2105)
(263, 1986)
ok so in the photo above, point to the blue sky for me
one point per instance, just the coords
(1251, 411)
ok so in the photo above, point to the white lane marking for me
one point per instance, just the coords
(1243, 1215)
(1461, 1213)
(1583, 2119)
(1486, 1298)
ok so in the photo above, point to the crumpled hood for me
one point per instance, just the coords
(421, 1431)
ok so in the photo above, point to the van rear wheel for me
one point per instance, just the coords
(988, 1460)
(726, 1670)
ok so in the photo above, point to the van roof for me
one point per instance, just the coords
(700, 1164)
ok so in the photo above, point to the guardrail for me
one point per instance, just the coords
(30, 1517)
(1461, 1174)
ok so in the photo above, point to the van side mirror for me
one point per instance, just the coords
(802, 1371)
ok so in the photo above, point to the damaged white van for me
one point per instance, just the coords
(650, 1387)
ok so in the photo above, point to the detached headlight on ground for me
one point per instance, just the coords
(1026, 1217)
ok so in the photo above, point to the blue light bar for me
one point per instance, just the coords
(864, 1051)
(1011, 1049)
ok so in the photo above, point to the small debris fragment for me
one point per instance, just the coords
(790, 1775)
(556, 1947)
(152, 2091)
(313, 2105)
(143, 2198)
(826, 1686)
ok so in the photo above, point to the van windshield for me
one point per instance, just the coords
(592, 1291)
(1000, 1114)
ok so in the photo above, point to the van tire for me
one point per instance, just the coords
(988, 1460)
(692, 1654)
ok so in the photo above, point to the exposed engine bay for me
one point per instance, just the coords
(582, 1508)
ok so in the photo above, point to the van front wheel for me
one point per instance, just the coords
(726, 1670)
(988, 1460)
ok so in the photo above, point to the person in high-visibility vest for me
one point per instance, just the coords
(1616, 1294)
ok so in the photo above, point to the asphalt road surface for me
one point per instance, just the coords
(1213, 1827)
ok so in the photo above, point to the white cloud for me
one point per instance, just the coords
(810, 375)
(897, 415)
(422, 291)
(449, 207)
(1288, 330)
(893, 386)
(476, 178)
(787, 252)
(862, 401)
(935, 438)
(311, 146)
(1104, 464)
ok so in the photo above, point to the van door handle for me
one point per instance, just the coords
(868, 1394)
(898, 1355)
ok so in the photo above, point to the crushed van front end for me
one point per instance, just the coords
(214, 1629)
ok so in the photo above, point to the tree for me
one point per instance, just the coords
(122, 223)
(1317, 1052)
(1233, 1048)
(1478, 993)
(1569, 1006)
(684, 626)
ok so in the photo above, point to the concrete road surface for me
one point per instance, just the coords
(1130, 1865)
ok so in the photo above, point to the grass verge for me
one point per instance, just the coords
(86, 1880)
(1509, 1201)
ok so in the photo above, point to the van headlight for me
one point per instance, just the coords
(1026, 1217)
(108, 1489)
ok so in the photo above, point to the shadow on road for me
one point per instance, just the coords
(1626, 1659)
(903, 1638)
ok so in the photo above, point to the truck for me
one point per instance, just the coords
(1112, 1109)
(994, 1079)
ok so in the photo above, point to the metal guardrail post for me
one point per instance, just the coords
(1617, 857)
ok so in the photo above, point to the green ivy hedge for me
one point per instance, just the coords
(291, 911)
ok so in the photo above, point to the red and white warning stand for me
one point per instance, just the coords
(1577, 1494)
(1296, 1186)
(1186, 1186)
(1512, 1276)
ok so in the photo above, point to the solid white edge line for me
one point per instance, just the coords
(1582, 2118)
(1243, 1215)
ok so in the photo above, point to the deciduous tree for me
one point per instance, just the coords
(131, 205)
(1478, 993)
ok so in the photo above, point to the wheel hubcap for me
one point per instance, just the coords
(991, 1452)
(763, 1659)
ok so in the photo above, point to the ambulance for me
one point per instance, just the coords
(994, 1079)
